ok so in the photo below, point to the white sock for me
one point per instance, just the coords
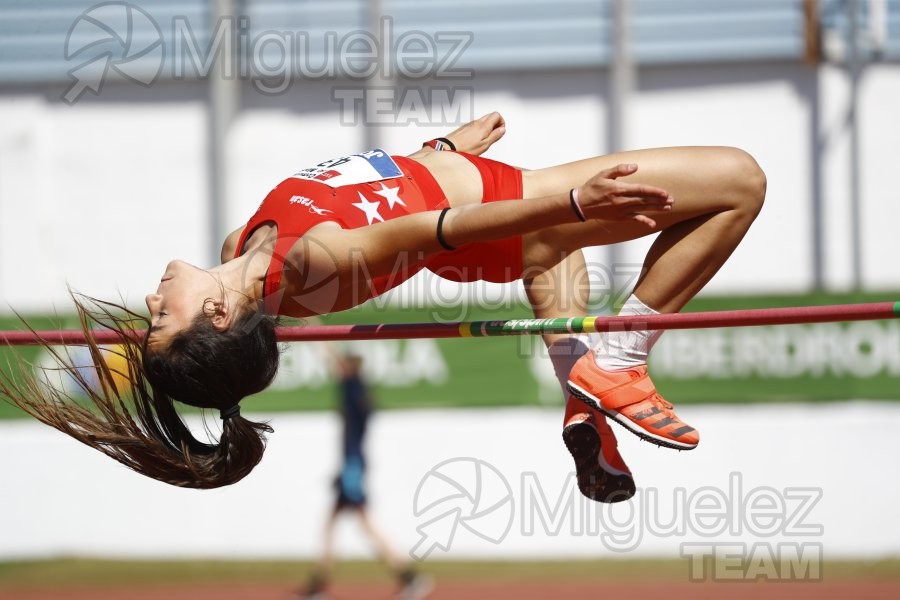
(563, 354)
(618, 350)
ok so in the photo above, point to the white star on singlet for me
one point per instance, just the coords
(370, 208)
(392, 195)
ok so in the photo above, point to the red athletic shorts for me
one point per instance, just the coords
(499, 261)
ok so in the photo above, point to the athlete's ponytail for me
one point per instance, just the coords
(130, 414)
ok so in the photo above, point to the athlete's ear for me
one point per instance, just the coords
(218, 314)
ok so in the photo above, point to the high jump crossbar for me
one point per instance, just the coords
(393, 331)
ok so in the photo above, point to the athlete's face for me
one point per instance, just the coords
(182, 292)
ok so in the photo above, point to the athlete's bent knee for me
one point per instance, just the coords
(748, 181)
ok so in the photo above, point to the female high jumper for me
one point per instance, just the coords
(332, 236)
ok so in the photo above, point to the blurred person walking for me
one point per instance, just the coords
(356, 407)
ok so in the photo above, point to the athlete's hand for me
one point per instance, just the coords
(604, 197)
(477, 136)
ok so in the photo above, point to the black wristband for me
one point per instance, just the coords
(447, 142)
(440, 144)
(440, 233)
(576, 208)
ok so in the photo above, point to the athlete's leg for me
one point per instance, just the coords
(410, 583)
(321, 573)
(715, 203)
(326, 563)
(379, 541)
(563, 291)
(718, 192)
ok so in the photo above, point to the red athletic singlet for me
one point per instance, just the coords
(389, 189)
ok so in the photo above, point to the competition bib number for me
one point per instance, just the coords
(374, 165)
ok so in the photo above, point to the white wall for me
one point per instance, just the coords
(101, 195)
(825, 464)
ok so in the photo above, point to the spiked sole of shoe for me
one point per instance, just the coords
(584, 445)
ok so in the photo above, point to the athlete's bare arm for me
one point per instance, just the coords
(475, 137)
(378, 245)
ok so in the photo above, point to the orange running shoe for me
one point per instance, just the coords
(630, 398)
(602, 474)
